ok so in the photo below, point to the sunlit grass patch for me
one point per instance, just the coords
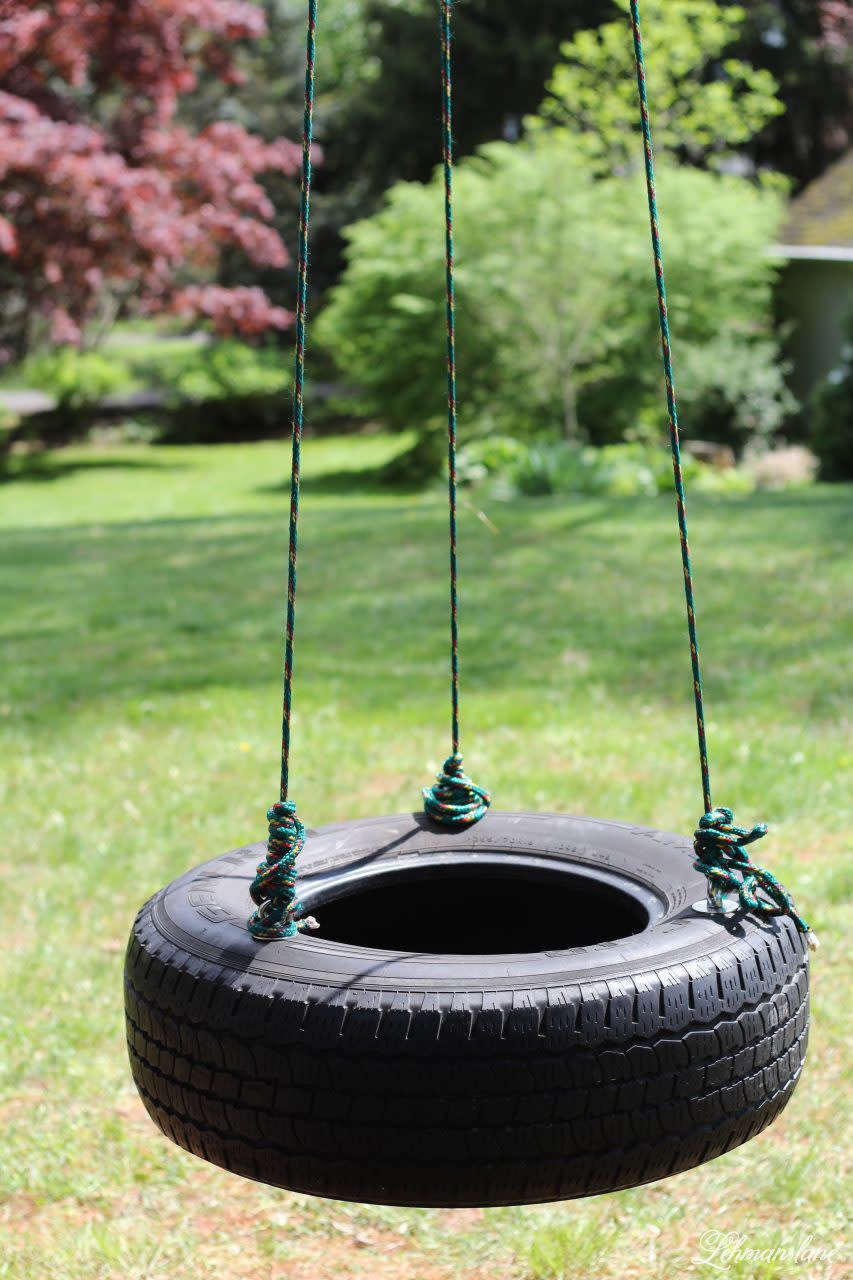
(143, 597)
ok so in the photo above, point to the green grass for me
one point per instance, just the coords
(139, 713)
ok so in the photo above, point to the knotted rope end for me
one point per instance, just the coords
(723, 860)
(273, 889)
(454, 800)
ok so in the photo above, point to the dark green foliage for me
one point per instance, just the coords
(503, 54)
(832, 419)
(226, 391)
(378, 113)
(225, 418)
(202, 393)
(78, 381)
(423, 461)
(378, 117)
(785, 38)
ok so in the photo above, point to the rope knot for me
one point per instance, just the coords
(273, 889)
(723, 860)
(454, 800)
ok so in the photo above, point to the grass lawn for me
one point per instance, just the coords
(139, 711)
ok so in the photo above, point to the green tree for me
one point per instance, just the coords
(378, 84)
(377, 74)
(557, 314)
(706, 104)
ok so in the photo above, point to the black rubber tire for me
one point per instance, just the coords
(424, 1079)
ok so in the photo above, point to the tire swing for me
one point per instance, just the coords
(592, 1008)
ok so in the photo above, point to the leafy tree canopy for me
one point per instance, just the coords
(107, 201)
(706, 104)
(557, 315)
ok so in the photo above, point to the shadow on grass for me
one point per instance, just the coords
(170, 606)
(44, 468)
(346, 484)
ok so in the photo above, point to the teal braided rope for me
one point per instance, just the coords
(273, 889)
(722, 858)
(450, 296)
(672, 406)
(454, 801)
(717, 833)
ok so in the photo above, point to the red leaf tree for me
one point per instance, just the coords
(106, 201)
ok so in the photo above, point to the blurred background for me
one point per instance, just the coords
(149, 187)
(148, 209)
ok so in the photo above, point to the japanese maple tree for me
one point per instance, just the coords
(107, 201)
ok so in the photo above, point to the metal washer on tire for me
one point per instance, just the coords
(503, 1075)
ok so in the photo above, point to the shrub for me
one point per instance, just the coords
(832, 419)
(223, 419)
(489, 456)
(224, 370)
(215, 392)
(425, 458)
(77, 379)
(552, 468)
(225, 391)
(557, 317)
(734, 391)
(541, 468)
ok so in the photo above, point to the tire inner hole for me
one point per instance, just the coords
(485, 911)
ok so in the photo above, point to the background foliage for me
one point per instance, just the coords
(147, 184)
(107, 201)
(377, 83)
(557, 313)
(707, 103)
(832, 418)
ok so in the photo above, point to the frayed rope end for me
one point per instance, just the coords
(723, 860)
